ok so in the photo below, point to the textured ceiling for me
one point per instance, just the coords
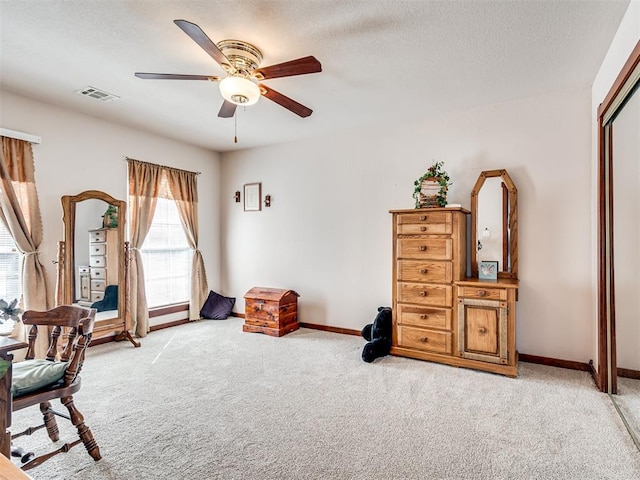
(383, 61)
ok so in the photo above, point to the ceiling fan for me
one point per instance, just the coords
(241, 61)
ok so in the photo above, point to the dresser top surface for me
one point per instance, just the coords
(435, 209)
(500, 282)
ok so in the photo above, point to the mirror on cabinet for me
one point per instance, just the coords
(93, 262)
(494, 223)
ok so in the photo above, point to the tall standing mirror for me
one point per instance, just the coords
(619, 238)
(494, 212)
(93, 261)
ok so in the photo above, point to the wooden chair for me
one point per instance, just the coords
(78, 327)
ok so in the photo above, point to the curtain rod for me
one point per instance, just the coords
(5, 132)
(126, 159)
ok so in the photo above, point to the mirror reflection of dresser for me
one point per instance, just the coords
(102, 270)
(103, 261)
(93, 261)
(83, 286)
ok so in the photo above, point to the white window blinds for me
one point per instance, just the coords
(166, 257)
(10, 273)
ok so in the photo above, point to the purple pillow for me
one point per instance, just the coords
(217, 307)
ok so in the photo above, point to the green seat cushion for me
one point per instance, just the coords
(32, 375)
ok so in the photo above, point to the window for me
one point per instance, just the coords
(10, 271)
(166, 257)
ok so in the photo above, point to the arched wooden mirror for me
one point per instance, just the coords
(494, 223)
(92, 263)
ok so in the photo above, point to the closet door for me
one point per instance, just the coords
(618, 369)
(625, 259)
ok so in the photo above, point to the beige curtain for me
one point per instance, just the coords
(147, 182)
(183, 188)
(20, 213)
(144, 185)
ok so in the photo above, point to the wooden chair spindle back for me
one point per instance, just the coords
(78, 323)
(68, 346)
(53, 344)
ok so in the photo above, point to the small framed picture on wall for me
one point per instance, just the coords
(488, 270)
(252, 195)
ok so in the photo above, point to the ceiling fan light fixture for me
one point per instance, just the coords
(239, 90)
(241, 61)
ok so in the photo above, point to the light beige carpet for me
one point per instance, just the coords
(207, 401)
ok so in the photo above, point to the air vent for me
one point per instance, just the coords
(98, 94)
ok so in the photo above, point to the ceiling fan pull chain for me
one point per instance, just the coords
(235, 128)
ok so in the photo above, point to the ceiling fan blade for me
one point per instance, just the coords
(301, 66)
(198, 36)
(175, 76)
(285, 101)
(227, 110)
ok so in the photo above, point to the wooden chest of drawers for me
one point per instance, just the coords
(429, 255)
(273, 311)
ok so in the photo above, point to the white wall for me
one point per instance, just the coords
(621, 47)
(80, 153)
(328, 233)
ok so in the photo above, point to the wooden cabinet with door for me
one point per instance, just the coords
(486, 337)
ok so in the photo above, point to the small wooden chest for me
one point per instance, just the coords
(273, 311)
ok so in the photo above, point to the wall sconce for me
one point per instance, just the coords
(267, 200)
(236, 196)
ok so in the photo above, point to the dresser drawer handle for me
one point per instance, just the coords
(423, 229)
(424, 316)
(482, 293)
(424, 339)
(423, 248)
(423, 271)
(482, 330)
(423, 294)
(423, 218)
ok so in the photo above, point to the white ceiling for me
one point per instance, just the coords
(383, 61)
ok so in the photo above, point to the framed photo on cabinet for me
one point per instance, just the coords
(252, 195)
(488, 270)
